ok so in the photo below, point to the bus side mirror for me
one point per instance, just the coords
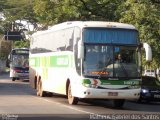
(8, 63)
(148, 52)
(80, 50)
(9, 58)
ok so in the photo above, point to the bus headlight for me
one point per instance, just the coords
(145, 91)
(90, 85)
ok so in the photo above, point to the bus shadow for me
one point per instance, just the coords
(128, 105)
(98, 102)
(147, 103)
(16, 88)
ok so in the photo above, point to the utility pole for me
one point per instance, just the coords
(12, 43)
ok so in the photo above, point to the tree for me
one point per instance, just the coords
(19, 10)
(14, 10)
(45, 11)
(145, 15)
(56, 11)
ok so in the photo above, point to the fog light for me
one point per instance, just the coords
(145, 91)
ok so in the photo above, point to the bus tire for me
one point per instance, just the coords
(40, 92)
(71, 99)
(118, 103)
(13, 78)
(49, 94)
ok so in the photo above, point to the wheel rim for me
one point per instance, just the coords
(38, 89)
(71, 99)
(69, 93)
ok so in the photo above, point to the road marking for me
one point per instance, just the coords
(70, 107)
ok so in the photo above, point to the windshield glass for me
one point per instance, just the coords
(110, 36)
(110, 61)
(20, 60)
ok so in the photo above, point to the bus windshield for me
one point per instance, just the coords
(20, 60)
(111, 52)
(111, 61)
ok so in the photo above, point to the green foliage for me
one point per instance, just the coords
(5, 47)
(45, 11)
(3, 5)
(55, 11)
(17, 10)
(146, 17)
(21, 44)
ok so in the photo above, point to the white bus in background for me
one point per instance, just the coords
(18, 63)
(78, 59)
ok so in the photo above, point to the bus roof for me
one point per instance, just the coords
(82, 24)
(20, 49)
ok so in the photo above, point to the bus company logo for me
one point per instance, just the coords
(62, 61)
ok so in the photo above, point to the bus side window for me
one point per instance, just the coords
(77, 61)
(70, 46)
(61, 48)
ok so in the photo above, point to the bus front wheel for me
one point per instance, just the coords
(13, 78)
(71, 99)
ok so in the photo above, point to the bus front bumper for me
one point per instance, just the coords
(22, 75)
(129, 94)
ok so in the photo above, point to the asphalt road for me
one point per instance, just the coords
(19, 101)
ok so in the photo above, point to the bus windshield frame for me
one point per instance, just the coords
(19, 58)
(101, 52)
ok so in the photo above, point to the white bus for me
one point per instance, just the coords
(78, 59)
(19, 64)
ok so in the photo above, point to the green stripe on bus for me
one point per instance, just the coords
(34, 61)
(120, 82)
(86, 81)
(51, 61)
(113, 82)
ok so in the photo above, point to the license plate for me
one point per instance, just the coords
(23, 75)
(112, 93)
(156, 96)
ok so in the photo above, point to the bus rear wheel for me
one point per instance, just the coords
(118, 103)
(71, 99)
(40, 92)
